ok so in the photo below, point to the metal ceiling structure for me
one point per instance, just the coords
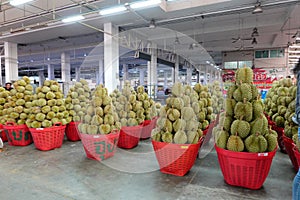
(37, 28)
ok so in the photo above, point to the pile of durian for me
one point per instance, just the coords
(100, 116)
(3, 96)
(17, 102)
(128, 106)
(150, 107)
(280, 105)
(78, 100)
(278, 98)
(204, 110)
(217, 97)
(243, 127)
(177, 122)
(48, 106)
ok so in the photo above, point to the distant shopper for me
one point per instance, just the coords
(296, 119)
(8, 86)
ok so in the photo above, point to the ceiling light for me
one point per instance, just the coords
(207, 62)
(18, 2)
(257, 8)
(112, 10)
(152, 24)
(48, 58)
(255, 32)
(254, 41)
(144, 4)
(73, 19)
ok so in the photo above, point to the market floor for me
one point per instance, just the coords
(66, 173)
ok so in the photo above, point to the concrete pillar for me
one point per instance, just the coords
(65, 67)
(142, 76)
(100, 73)
(206, 74)
(77, 73)
(11, 61)
(176, 70)
(125, 72)
(41, 78)
(189, 71)
(165, 80)
(153, 70)
(211, 75)
(149, 77)
(111, 57)
(51, 72)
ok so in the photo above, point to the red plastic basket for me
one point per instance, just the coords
(148, 126)
(2, 134)
(289, 146)
(243, 169)
(176, 159)
(48, 138)
(129, 136)
(17, 135)
(100, 147)
(280, 132)
(297, 154)
(72, 131)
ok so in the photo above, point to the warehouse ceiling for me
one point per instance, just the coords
(37, 25)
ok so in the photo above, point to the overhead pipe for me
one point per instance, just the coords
(42, 14)
(216, 13)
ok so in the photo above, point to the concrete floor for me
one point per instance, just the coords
(66, 173)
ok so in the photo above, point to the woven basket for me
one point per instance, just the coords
(72, 131)
(129, 136)
(176, 159)
(100, 147)
(243, 169)
(48, 138)
(289, 146)
(148, 126)
(17, 135)
(2, 134)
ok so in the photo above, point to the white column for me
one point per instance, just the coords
(11, 61)
(176, 70)
(153, 70)
(211, 75)
(125, 72)
(142, 76)
(51, 72)
(65, 67)
(111, 57)
(165, 80)
(100, 73)
(149, 77)
(206, 74)
(77, 73)
(41, 78)
(189, 75)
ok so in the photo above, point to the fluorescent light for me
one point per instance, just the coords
(294, 46)
(207, 62)
(112, 10)
(73, 19)
(18, 2)
(144, 4)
